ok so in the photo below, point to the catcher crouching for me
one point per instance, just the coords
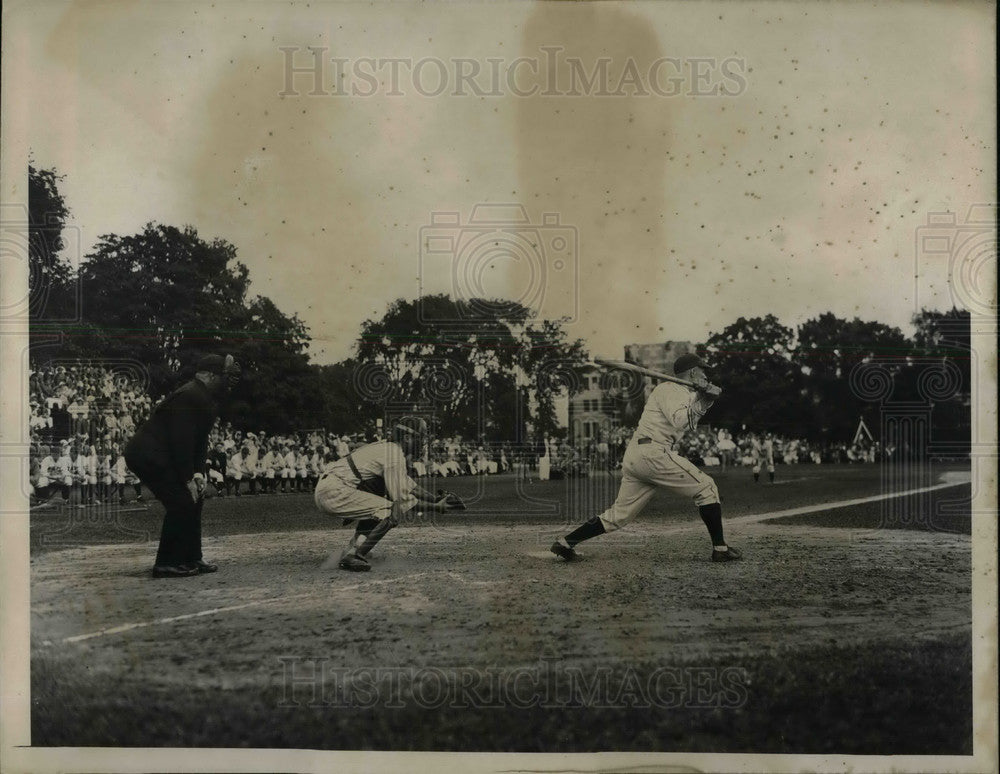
(370, 488)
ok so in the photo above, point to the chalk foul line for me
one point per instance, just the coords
(757, 517)
(229, 609)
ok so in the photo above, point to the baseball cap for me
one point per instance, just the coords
(687, 362)
(223, 365)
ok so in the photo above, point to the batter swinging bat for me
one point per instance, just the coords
(643, 371)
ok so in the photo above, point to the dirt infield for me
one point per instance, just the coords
(644, 595)
(273, 639)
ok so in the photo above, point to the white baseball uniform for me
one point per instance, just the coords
(47, 471)
(651, 459)
(119, 472)
(235, 467)
(67, 468)
(288, 462)
(337, 492)
(763, 454)
(269, 463)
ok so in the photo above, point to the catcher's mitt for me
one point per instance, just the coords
(452, 501)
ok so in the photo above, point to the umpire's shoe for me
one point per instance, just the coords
(732, 555)
(354, 563)
(174, 570)
(205, 567)
(564, 553)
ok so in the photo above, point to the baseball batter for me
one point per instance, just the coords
(651, 461)
(371, 487)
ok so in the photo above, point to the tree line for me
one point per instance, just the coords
(817, 381)
(484, 368)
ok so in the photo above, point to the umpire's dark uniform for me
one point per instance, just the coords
(166, 452)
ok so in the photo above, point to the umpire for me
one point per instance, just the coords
(168, 455)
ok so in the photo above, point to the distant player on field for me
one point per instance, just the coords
(763, 454)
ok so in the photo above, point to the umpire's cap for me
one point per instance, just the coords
(213, 364)
(687, 362)
(220, 364)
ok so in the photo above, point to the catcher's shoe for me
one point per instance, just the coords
(732, 555)
(352, 545)
(564, 553)
(354, 563)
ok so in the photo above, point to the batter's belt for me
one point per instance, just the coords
(643, 441)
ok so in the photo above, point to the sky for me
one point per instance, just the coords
(802, 185)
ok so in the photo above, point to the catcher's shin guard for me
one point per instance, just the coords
(375, 536)
(364, 528)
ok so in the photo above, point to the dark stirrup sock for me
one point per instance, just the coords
(590, 528)
(712, 516)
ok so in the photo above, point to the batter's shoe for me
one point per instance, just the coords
(564, 552)
(205, 567)
(354, 563)
(732, 555)
(174, 571)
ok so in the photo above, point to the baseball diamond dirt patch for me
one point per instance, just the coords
(469, 635)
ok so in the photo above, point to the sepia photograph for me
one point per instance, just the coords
(498, 386)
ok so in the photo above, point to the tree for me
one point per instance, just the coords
(940, 372)
(752, 361)
(479, 377)
(165, 296)
(829, 350)
(946, 336)
(51, 276)
(162, 297)
(343, 412)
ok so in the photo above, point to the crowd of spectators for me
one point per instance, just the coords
(84, 402)
(711, 447)
(82, 416)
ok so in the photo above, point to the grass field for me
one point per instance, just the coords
(846, 630)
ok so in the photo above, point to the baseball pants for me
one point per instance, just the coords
(648, 467)
(759, 463)
(180, 537)
(341, 498)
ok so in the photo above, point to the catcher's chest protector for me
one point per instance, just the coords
(375, 486)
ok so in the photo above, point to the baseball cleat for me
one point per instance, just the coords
(732, 555)
(354, 563)
(205, 567)
(564, 553)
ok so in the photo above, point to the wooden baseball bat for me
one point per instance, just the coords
(623, 366)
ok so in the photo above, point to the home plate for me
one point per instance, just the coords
(546, 555)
